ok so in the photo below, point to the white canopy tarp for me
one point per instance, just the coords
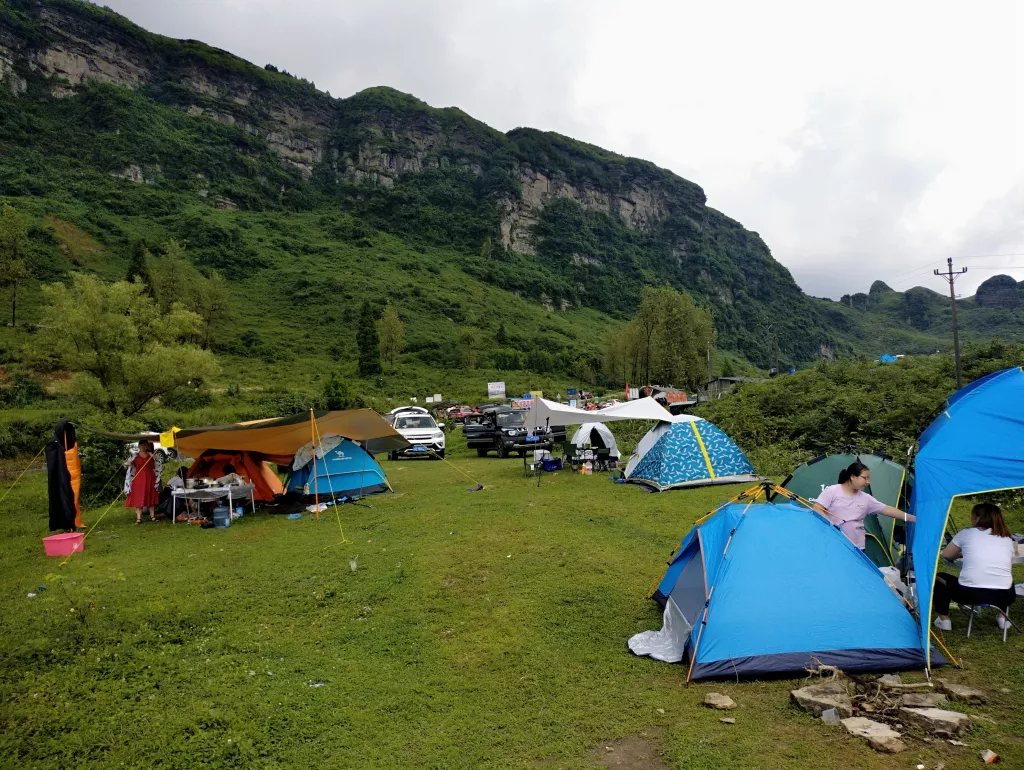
(582, 437)
(545, 413)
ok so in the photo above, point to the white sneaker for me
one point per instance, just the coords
(1002, 621)
(944, 624)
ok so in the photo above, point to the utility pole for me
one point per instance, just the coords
(950, 277)
(710, 377)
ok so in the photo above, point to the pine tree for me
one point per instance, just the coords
(392, 335)
(368, 342)
(501, 337)
(138, 265)
(13, 270)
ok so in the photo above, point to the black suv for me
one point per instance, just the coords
(501, 429)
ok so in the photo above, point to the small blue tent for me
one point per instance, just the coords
(687, 453)
(974, 446)
(760, 589)
(887, 358)
(346, 470)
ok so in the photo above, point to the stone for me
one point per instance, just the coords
(890, 679)
(927, 700)
(945, 724)
(718, 701)
(727, 721)
(820, 697)
(962, 693)
(879, 736)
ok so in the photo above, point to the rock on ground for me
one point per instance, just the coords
(961, 692)
(880, 736)
(820, 697)
(718, 701)
(924, 699)
(945, 724)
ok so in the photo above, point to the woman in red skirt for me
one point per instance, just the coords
(142, 481)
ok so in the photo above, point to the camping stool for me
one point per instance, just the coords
(1006, 614)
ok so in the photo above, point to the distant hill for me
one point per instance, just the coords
(309, 204)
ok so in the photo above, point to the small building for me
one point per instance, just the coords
(720, 386)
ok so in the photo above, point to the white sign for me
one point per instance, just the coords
(429, 400)
(495, 390)
(437, 398)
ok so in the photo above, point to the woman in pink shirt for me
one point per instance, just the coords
(847, 503)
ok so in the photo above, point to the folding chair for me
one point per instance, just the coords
(604, 456)
(1005, 614)
(571, 455)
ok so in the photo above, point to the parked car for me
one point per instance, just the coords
(163, 453)
(422, 432)
(502, 430)
(460, 413)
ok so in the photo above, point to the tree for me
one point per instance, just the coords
(501, 336)
(392, 334)
(124, 352)
(368, 342)
(337, 394)
(467, 349)
(138, 264)
(13, 270)
(213, 305)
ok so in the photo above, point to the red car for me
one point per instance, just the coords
(460, 413)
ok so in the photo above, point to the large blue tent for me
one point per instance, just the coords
(974, 446)
(757, 589)
(345, 470)
(687, 453)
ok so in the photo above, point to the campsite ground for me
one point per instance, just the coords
(454, 629)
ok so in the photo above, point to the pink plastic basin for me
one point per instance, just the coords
(64, 545)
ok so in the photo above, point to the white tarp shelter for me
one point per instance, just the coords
(583, 437)
(544, 413)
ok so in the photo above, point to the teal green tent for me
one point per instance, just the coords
(891, 483)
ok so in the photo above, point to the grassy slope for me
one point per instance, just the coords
(479, 630)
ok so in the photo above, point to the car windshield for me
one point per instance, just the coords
(415, 422)
(511, 419)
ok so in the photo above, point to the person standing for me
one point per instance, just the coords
(848, 504)
(141, 483)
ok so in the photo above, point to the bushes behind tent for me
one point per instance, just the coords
(864, 404)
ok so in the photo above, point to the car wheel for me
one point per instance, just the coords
(439, 455)
(481, 452)
(502, 452)
(161, 456)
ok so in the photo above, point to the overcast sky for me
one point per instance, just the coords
(863, 140)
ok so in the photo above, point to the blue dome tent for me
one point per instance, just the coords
(687, 452)
(344, 470)
(974, 446)
(729, 611)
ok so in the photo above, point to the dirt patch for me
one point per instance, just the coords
(631, 753)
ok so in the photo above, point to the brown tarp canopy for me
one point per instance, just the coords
(285, 435)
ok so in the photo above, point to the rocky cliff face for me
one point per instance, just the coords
(999, 291)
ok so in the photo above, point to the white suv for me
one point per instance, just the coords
(422, 432)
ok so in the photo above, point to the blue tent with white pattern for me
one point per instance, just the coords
(687, 452)
(343, 469)
(764, 589)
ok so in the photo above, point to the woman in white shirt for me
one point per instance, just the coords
(986, 576)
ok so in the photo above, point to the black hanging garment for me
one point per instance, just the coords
(63, 477)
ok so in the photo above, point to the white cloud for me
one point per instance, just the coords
(862, 140)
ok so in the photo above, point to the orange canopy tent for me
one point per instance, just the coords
(283, 436)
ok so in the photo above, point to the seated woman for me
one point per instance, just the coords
(986, 576)
(848, 504)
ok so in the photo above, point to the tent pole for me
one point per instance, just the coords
(312, 438)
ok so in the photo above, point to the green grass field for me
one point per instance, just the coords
(482, 629)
